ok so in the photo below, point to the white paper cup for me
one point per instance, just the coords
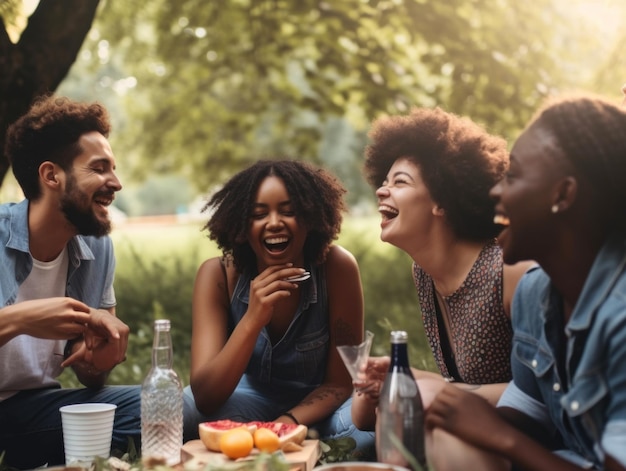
(87, 432)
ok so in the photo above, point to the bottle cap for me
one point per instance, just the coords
(162, 324)
(399, 336)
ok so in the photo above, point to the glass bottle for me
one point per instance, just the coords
(162, 402)
(400, 411)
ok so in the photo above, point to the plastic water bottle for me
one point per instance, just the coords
(400, 410)
(162, 402)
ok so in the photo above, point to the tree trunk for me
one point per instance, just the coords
(41, 59)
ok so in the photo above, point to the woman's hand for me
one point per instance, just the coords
(268, 288)
(371, 377)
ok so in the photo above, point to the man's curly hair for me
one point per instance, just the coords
(316, 198)
(458, 160)
(49, 131)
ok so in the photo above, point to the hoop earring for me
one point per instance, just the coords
(554, 208)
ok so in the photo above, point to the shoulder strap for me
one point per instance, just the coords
(225, 263)
(226, 289)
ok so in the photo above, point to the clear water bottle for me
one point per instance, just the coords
(400, 410)
(162, 402)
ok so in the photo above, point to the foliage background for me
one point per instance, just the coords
(201, 89)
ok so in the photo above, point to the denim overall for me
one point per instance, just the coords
(279, 376)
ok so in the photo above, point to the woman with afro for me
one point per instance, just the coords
(432, 172)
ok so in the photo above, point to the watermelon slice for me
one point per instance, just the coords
(287, 433)
(210, 432)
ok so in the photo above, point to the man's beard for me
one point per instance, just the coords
(76, 206)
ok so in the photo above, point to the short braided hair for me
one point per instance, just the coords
(316, 198)
(591, 132)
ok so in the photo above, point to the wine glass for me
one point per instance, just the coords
(355, 356)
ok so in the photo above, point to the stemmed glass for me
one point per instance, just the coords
(355, 356)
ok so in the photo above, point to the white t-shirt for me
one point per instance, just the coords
(34, 362)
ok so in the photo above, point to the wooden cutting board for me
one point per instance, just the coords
(196, 456)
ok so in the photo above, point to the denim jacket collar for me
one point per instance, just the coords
(18, 239)
(606, 270)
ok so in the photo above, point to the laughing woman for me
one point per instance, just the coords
(432, 172)
(564, 200)
(264, 346)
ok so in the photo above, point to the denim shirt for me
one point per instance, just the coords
(298, 360)
(91, 266)
(587, 402)
(91, 261)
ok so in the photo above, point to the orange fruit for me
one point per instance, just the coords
(266, 440)
(236, 443)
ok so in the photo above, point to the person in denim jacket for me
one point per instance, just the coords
(56, 281)
(562, 204)
(264, 347)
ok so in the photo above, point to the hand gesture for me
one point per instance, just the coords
(372, 377)
(52, 318)
(106, 340)
(268, 288)
(457, 412)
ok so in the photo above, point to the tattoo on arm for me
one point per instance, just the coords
(322, 393)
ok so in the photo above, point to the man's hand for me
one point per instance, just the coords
(105, 342)
(457, 412)
(52, 318)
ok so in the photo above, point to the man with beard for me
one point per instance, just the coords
(56, 282)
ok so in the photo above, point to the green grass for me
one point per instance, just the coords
(162, 240)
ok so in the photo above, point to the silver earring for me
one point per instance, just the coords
(554, 208)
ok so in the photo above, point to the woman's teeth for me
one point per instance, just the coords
(387, 211)
(501, 220)
(276, 244)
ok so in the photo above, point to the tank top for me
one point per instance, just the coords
(479, 326)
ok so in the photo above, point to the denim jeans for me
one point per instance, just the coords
(31, 433)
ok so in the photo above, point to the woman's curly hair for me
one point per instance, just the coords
(316, 198)
(50, 131)
(458, 160)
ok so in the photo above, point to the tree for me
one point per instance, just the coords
(221, 84)
(38, 61)
(216, 85)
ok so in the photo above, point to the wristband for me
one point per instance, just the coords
(291, 416)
